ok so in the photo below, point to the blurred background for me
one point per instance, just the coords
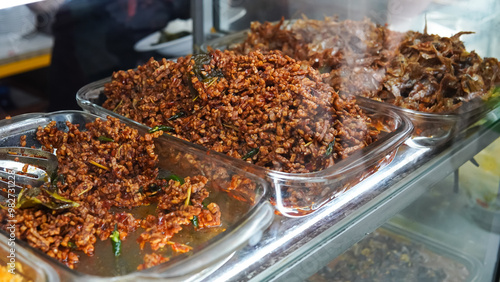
(51, 48)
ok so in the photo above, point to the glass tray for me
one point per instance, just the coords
(403, 256)
(254, 214)
(332, 181)
(431, 129)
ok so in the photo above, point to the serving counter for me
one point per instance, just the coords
(294, 249)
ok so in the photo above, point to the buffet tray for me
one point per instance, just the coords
(431, 129)
(392, 253)
(330, 183)
(209, 251)
(435, 129)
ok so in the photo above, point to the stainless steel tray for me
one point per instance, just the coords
(434, 129)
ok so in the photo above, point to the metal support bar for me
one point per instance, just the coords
(202, 15)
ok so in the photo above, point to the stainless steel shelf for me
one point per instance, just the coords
(292, 249)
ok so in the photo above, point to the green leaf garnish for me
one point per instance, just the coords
(116, 242)
(105, 139)
(162, 128)
(250, 154)
(195, 222)
(175, 177)
(27, 198)
(329, 148)
(176, 116)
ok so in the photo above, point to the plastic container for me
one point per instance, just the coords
(175, 48)
(391, 253)
(316, 188)
(209, 252)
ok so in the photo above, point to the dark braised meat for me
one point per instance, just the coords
(268, 109)
(412, 70)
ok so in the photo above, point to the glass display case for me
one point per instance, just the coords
(425, 195)
(419, 203)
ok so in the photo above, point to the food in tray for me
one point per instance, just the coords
(413, 70)
(267, 109)
(109, 195)
(387, 256)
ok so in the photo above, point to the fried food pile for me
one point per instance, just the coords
(265, 108)
(413, 70)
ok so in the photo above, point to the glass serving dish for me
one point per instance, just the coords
(431, 129)
(435, 129)
(316, 188)
(392, 253)
(479, 181)
(245, 214)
